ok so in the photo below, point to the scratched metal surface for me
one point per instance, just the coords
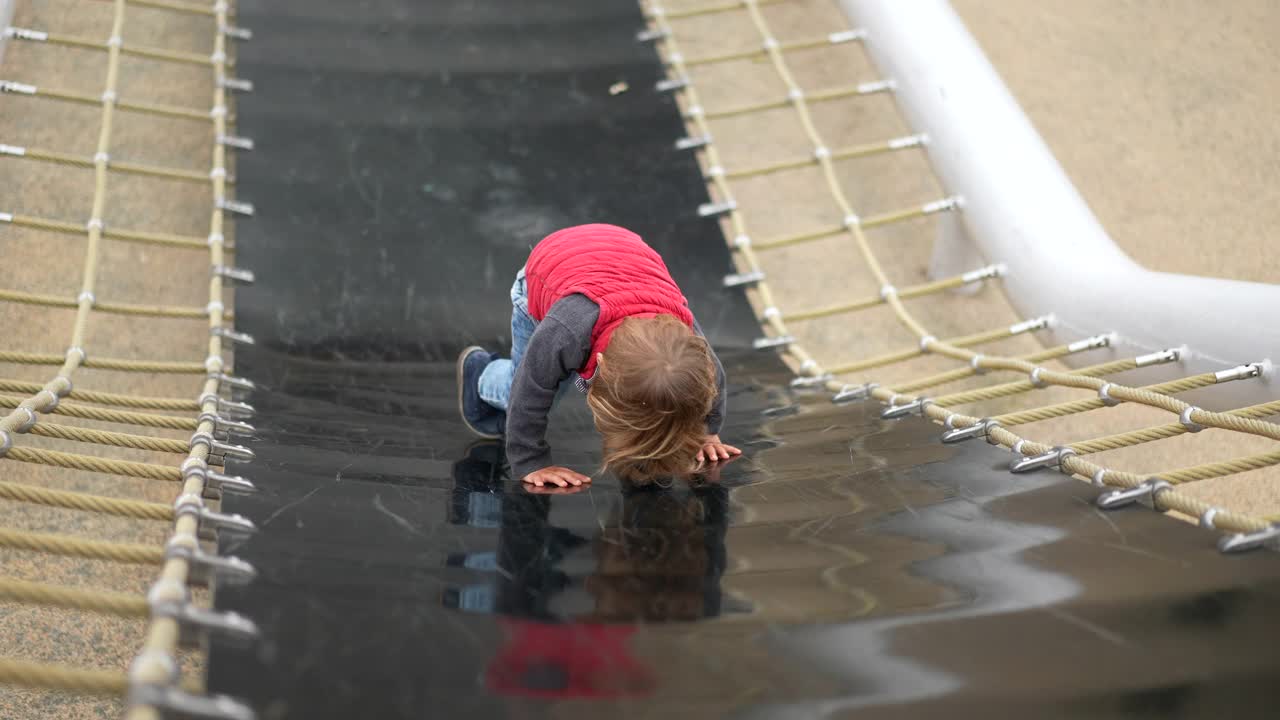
(410, 153)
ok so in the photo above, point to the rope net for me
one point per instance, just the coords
(100, 437)
(965, 413)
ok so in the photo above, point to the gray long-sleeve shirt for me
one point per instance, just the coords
(559, 346)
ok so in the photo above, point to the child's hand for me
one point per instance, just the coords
(714, 451)
(557, 476)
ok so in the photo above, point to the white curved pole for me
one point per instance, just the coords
(1020, 208)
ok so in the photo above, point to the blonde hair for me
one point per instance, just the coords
(650, 398)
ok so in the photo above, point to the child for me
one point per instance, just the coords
(598, 301)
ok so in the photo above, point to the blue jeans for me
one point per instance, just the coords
(495, 381)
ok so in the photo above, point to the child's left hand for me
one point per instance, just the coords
(714, 451)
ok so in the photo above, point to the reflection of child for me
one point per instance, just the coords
(598, 301)
(661, 556)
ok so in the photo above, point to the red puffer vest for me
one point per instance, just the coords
(610, 265)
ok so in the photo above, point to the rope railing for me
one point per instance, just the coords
(750, 53)
(136, 236)
(657, 13)
(104, 398)
(120, 364)
(151, 685)
(126, 168)
(1053, 353)
(849, 153)
(159, 311)
(175, 5)
(851, 220)
(913, 291)
(112, 45)
(1249, 531)
(158, 109)
(122, 417)
(980, 338)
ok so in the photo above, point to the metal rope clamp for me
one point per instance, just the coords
(6, 443)
(27, 424)
(230, 408)
(232, 335)
(204, 565)
(982, 429)
(812, 381)
(170, 598)
(765, 343)
(1053, 458)
(238, 383)
(1104, 394)
(227, 427)
(1239, 542)
(899, 411)
(1148, 490)
(211, 522)
(154, 684)
(221, 449)
(172, 701)
(215, 483)
(850, 393)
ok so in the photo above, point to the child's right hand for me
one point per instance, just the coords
(557, 476)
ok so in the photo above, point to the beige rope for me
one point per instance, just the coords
(706, 9)
(174, 368)
(60, 677)
(755, 52)
(145, 238)
(921, 290)
(81, 548)
(104, 437)
(151, 53)
(122, 417)
(949, 376)
(103, 398)
(836, 230)
(90, 463)
(1014, 388)
(84, 502)
(125, 105)
(1160, 432)
(127, 168)
(19, 296)
(900, 355)
(1078, 406)
(849, 153)
(102, 601)
(177, 5)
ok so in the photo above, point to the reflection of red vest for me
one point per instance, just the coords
(579, 660)
(610, 265)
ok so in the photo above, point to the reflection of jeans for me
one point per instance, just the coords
(495, 381)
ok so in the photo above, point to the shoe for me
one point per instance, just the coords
(476, 497)
(479, 416)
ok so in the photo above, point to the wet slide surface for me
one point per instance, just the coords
(410, 154)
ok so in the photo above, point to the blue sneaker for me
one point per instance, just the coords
(479, 416)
